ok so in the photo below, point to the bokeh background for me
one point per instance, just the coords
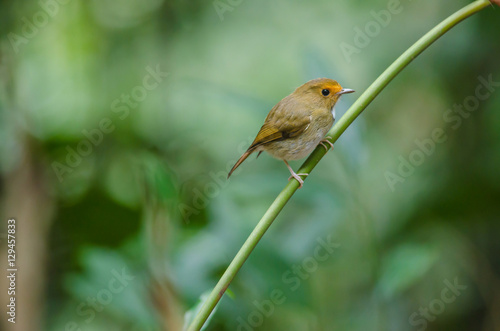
(120, 119)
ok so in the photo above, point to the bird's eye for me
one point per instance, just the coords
(325, 92)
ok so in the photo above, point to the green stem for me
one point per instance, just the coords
(361, 103)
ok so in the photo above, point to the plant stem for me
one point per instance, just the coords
(361, 103)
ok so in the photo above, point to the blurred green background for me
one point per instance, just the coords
(119, 120)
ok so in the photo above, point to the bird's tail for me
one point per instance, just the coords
(240, 161)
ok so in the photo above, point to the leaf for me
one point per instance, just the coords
(404, 266)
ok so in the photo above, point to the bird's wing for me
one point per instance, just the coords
(281, 123)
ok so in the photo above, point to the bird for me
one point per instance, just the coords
(298, 123)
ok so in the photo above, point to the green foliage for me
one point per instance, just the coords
(151, 196)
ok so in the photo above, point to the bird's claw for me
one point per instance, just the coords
(297, 177)
(326, 141)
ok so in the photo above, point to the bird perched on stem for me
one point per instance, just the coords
(298, 123)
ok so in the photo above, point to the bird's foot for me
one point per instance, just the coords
(322, 142)
(294, 175)
(297, 177)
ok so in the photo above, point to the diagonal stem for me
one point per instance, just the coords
(361, 103)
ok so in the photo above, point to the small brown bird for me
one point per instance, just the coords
(298, 123)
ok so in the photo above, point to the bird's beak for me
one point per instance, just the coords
(345, 91)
